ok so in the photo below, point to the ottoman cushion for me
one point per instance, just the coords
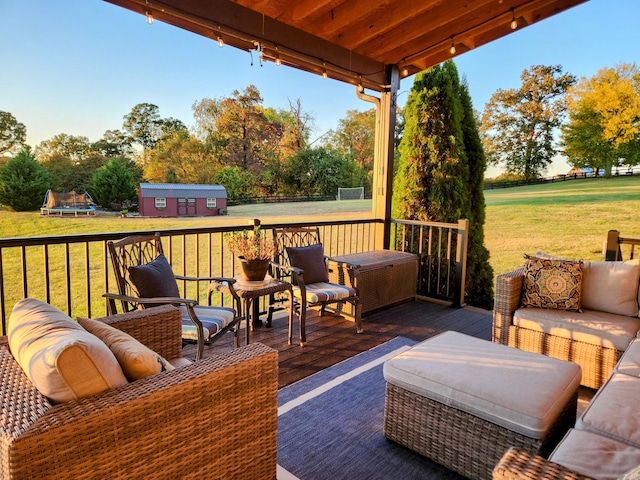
(594, 455)
(521, 391)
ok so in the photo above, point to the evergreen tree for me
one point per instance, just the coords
(23, 182)
(441, 168)
(112, 185)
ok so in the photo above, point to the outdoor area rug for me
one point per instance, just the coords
(330, 425)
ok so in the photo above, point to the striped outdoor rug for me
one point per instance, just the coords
(330, 425)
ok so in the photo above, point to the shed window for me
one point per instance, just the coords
(211, 203)
(161, 202)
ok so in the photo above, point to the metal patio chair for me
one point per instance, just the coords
(145, 279)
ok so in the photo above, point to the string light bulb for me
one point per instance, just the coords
(452, 50)
(405, 71)
(278, 61)
(220, 42)
(149, 17)
(514, 22)
(324, 73)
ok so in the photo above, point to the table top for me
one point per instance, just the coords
(246, 289)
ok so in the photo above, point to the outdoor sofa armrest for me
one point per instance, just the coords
(159, 328)
(164, 425)
(506, 302)
(517, 464)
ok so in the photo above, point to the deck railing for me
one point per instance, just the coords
(72, 272)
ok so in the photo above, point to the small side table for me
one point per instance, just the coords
(250, 291)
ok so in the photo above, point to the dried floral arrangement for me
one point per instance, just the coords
(252, 244)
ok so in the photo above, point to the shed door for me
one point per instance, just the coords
(186, 207)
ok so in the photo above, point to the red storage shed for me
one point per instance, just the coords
(179, 200)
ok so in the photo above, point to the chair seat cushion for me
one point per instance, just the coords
(325, 292)
(629, 363)
(612, 412)
(137, 361)
(594, 455)
(62, 360)
(213, 320)
(589, 326)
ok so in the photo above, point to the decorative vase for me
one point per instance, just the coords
(253, 270)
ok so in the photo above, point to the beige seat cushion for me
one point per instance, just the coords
(589, 326)
(594, 455)
(136, 360)
(630, 361)
(612, 412)
(62, 359)
(522, 391)
(611, 287)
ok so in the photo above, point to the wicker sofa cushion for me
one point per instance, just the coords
(62, 359)
(611, 287)
(629, 363)
(613, 411)
(554, 284)
(311, 260)
(521, 391)
(589, 326)
(594, 455)
(136, 360)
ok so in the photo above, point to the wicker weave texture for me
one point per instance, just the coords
(459, 440)
(386, 277)
(597, 362)
(520, 465)
(213, 419)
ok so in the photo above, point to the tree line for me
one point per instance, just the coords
(236, 141)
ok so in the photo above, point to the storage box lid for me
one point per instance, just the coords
(376, 258)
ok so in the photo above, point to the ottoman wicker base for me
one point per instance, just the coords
(459, 440)
(463, 402)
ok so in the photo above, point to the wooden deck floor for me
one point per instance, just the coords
(332, 338)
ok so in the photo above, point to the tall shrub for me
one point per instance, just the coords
(23, 182)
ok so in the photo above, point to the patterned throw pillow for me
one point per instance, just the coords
(553, 284)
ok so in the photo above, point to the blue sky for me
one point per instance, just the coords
(78, 66)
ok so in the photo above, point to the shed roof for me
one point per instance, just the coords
(179, 189)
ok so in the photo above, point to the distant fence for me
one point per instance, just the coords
(617, 172)
(286, 199)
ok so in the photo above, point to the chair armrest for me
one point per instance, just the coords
(346, 270)
(518, 464)
(159, 328)
(166, 423)
(151, 300)
(506, 302)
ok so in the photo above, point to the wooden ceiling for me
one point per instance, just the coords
(352, 40)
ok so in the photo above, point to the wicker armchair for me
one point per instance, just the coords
(597, 361)
(518, 464)
(216, 418)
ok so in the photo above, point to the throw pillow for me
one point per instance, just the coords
(611, 287)
(154, 279)
(310, 259)
(62, 360)
(553, 284)
(137, 361)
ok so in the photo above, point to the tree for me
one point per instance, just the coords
(112, 185)
(603, 130)
(75, 148)
(518, 125)
(114, 143)
(143, 125)
(13, 134)
(441, 167)
(238, 183)
(23, 182)
(355, 136)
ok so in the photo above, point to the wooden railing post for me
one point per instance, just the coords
(461, 262)
(612, 248)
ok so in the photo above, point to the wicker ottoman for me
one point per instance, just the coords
(463, 402)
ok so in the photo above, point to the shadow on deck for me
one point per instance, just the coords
(332, 338)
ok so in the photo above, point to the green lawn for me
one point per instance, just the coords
(569, 219)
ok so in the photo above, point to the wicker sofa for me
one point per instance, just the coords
(595, 338)
(216, 418)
